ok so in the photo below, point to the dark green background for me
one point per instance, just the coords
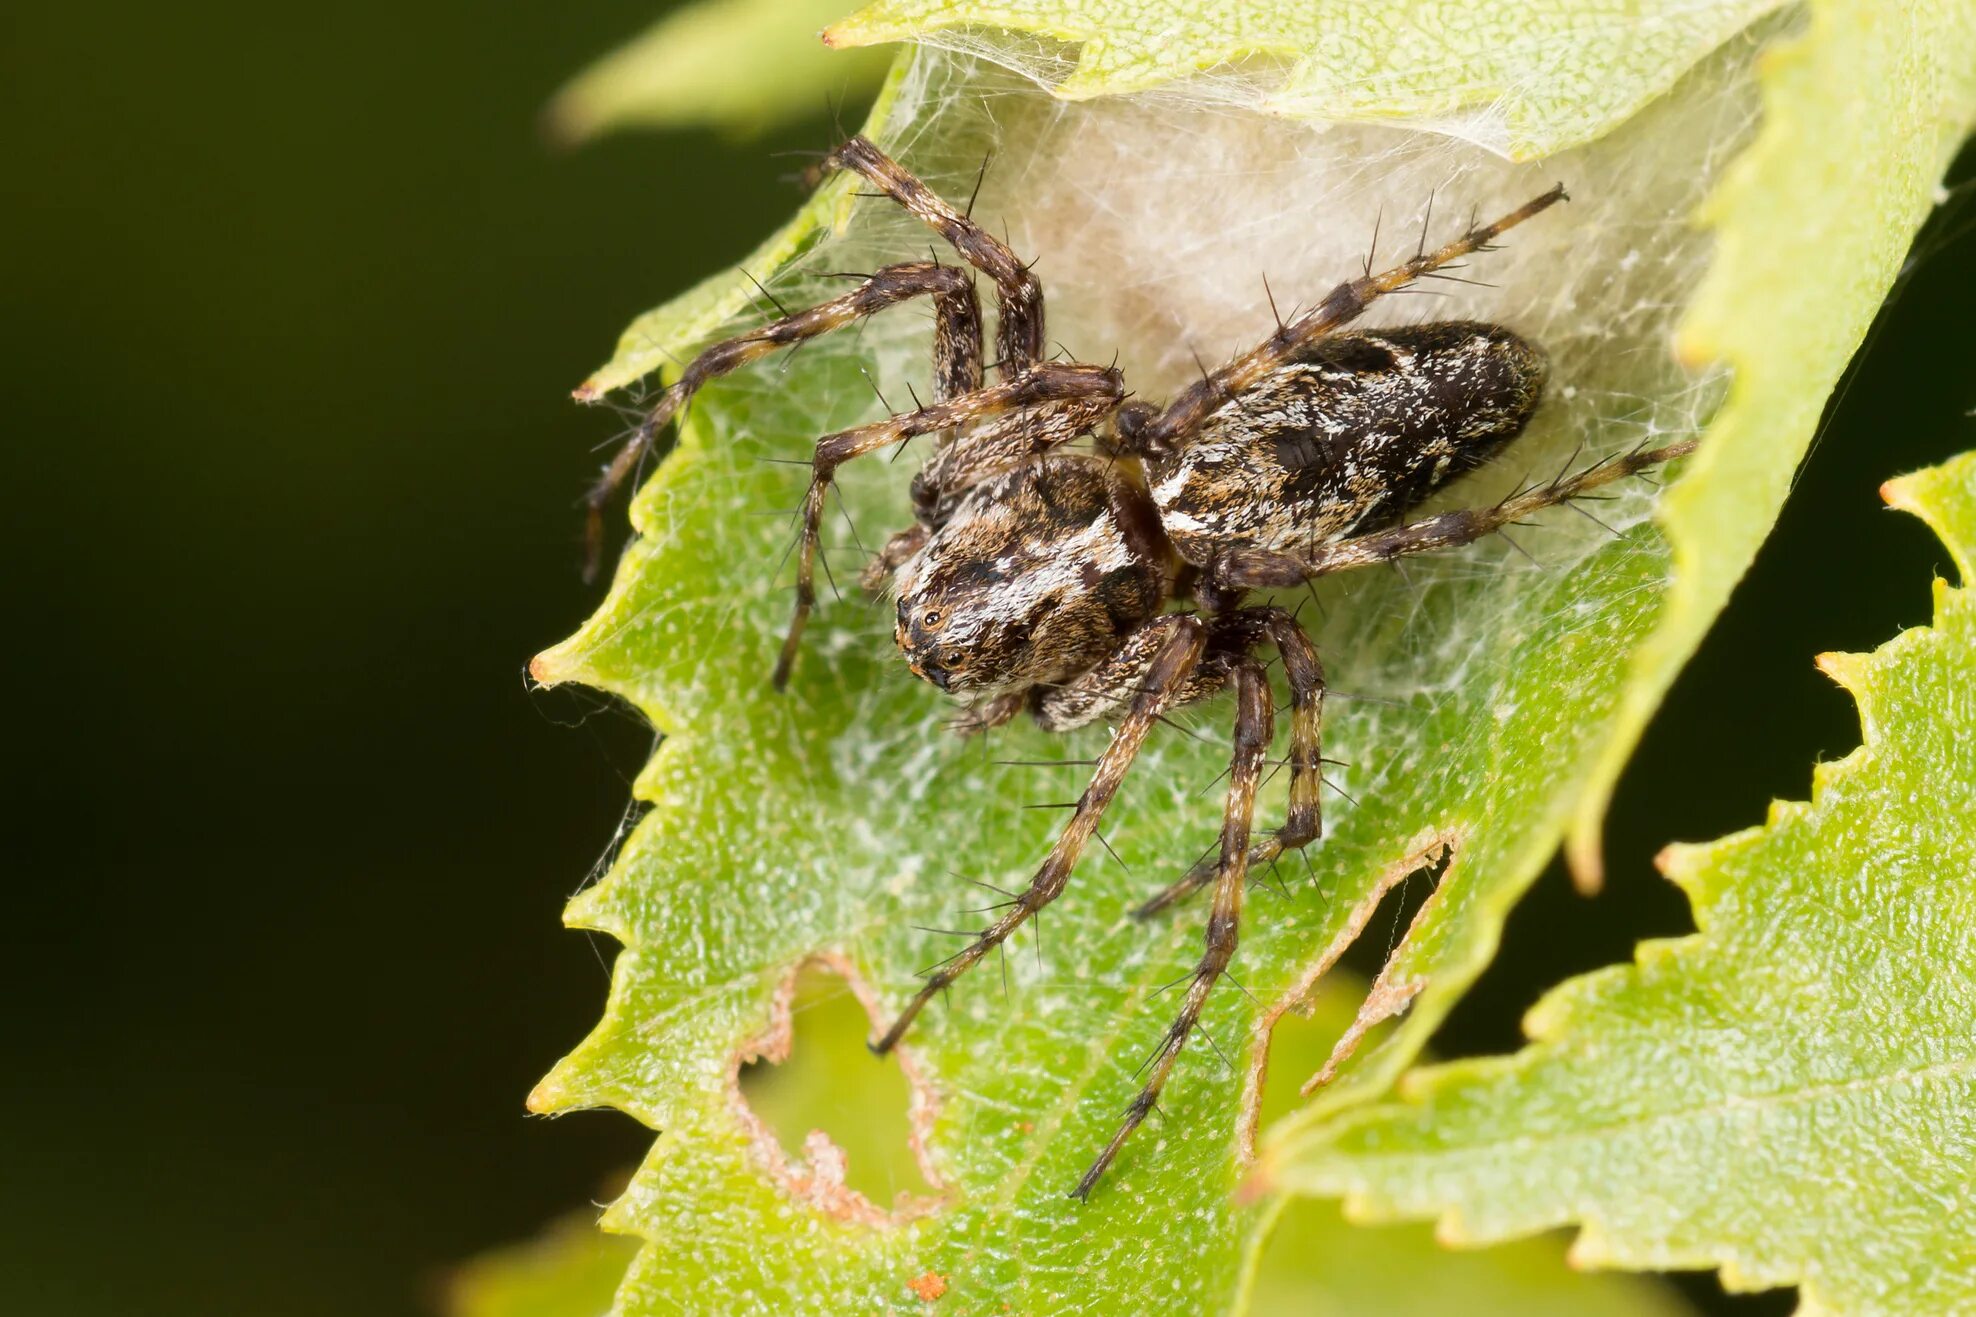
(293, 302)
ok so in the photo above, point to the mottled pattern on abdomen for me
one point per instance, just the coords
(1348, 438)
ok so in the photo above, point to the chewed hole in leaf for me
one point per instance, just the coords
(1301, 1039)
(1398, 907)
(841, 1120)
(842, 814)
(1281, 1041)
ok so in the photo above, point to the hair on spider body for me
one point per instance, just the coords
(1044, 580)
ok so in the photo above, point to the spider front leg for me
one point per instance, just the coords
(1261, 568)
(1093, 389)
(1019, 303)
(956, 362)
(1255, 723)
(1303, 822)
(1175, 643)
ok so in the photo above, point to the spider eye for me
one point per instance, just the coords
(951, 658)
(931, 618)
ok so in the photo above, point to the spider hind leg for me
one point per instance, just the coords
(1303, 821)
(1257, 568)
(1177, 642)
(1254, 724)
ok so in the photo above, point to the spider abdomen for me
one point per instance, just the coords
(1347, 438)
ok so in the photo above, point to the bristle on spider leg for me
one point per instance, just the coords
(948, 932)
(1573, 505)
(1208, 1034)
(1271, 295)
(823, 560)
(1520, 549)
(762, 288)
(979, 177)
(1325, 781)
(1426, 220)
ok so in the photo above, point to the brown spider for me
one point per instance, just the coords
(1039, 579)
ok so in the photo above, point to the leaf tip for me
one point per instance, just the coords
(1584, 855)
(1944, 498)
(1679, 859)
(1586, 1252)
(1451, 1233)
(583, 1081)
(1848, 670)
(562, 125)
(1694, 346)
(553, 666)
(863, 28)
(549, 1095)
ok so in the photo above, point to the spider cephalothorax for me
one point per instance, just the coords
(1034, 577)
(1044, 580)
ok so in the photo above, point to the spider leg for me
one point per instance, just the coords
(1040, 388)
(1342, 305)
(956, 361)
(1019, 308)
(1182, 641)
(1303, 822)
(1258, 568)
(1255, 721)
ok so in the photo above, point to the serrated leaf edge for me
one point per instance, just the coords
(1698, 869)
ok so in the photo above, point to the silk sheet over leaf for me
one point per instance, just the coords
(833, 820)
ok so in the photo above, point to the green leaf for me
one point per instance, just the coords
(1317, 1264)
(743, 65)
(837, 820)
(572, 1270)
(1790, 1093)
(1527, 79)
(1861, 118)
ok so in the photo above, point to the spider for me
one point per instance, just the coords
(1041, 580)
